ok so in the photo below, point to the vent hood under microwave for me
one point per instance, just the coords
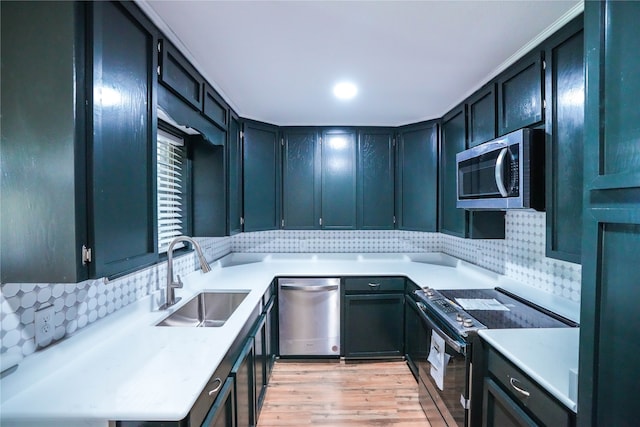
(505, 173)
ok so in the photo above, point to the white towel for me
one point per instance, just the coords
(438, 359)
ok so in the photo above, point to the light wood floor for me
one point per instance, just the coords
(339, 394)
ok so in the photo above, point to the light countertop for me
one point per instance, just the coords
(123, 367)
(546, 355)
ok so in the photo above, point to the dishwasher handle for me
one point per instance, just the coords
(308, 288)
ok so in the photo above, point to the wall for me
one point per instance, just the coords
(520, 256)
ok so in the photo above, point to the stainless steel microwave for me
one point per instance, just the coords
(506, 173)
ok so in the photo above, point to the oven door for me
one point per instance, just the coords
(443, 373)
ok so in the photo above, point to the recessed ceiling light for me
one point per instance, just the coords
(345, 90)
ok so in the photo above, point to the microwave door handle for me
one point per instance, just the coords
(498, 172)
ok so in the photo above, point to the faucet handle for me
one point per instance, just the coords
(179, 283)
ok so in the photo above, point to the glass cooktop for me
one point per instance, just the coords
(497, 310)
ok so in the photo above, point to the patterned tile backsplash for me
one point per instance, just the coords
(521, 255)
(320, 241)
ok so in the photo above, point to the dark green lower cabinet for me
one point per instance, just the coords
(416, 343)
(501, 410)
(512, 398)
(222, 413)
(373, 325)
(243, 374)
(260, 364)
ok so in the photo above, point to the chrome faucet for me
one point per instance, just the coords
(171, 285)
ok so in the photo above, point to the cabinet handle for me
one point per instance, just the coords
(374, 285)
(498, 172)
(520, 390)
(217, 387)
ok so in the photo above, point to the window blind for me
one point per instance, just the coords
(171, 154)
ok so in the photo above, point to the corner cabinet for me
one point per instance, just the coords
(608, 371)
(454, 140)
(261, 170)
(565, 82)
(417, 177)
(234, 175)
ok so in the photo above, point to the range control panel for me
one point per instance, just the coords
(449, 311)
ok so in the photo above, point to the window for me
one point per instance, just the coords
(171, 182)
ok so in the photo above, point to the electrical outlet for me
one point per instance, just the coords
(44, 325)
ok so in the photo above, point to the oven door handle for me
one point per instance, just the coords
(456, 345)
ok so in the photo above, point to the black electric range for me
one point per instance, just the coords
(451, 320)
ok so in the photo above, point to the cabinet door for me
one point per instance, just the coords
(261, 153)
(43, 225)
(271, 336)
(260, 364)
(207, 187)
(500, 410)
(301, 179)
(375, 179)
(608, 371)
(373, 325)
(520, 94)
(123, 130)
(234, 176)
(454, 137)
(222, 413)
(338, 179)
(417, 177)
(214, 107)
(243, 374)
(416, 344)
(179, 75)
(565, 132)
(482, 115)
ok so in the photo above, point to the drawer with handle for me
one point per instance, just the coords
(373, 284)
(527, 392)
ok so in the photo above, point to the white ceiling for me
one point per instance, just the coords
(277, 61)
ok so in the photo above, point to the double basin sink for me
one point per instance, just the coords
(206, 309)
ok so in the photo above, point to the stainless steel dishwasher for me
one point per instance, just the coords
(309, 319)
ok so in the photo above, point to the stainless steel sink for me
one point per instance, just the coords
(206, 309)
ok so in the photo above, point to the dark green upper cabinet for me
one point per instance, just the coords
(234, 176)
(454, 221)
(338, 179)
(179, 75)
(417, 177)
(301, 178)
(565, 130)
(454, 140)
(43, 194)
(609, 340)
(261, 160)
(375, 179)
(214, 107)
(123, 131)
(482, 115)
(520, 94)
(208, 187)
